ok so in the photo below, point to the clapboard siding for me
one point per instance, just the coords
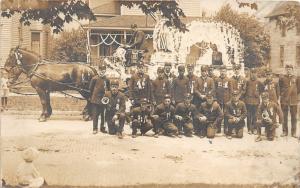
(5, 38)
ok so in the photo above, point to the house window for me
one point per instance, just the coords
(283, 31)
(298, 56)
(281, 56)
(36, 42)
(298, 29)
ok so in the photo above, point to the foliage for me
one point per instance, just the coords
(56, 15)
(168, 9)
(69, 47)
(256, 40)
(290, 20)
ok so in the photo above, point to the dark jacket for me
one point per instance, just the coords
(213, 113)
(206, 85)
(140, 87)
(179, 89)
(223, 90)
(272, 88)
(98, 86)
(289, 88)
(253, 90)
(138, 40)
(237, 110)
(239, 83)
(271, 110)
(141, 116)
(165, 113)
(160, 87)
(188, 113)
(116, 103)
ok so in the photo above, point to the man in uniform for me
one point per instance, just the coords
(163, 117)
(238, 81)
(210, 116)
(97, 89)
(210, 71)
(223, 93)
(266, 117)
(193, 84)
(186, 115)
(141, 118)
(236, 113)
(140, 86)
(160, 87)
(206, 84)
(138, 40)
(167, 72)
(115, 109)
(179, 86)
(289, 88)
(252, 93)
(270, 86)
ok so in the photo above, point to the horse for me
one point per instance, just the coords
(46, 77)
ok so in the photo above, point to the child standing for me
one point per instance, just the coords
(4, 91)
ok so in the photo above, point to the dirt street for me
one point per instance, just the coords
(71, 155)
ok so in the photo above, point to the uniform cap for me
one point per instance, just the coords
(181, 67)
(167, 96)
(114, 82)
(222, 67)
(140, 64)
(133, 25)
(268, 71)
(253, 70)
(168, 64)
(209, 95)
(235, 92)
(188, 96)
(190, 65)
(204, 68)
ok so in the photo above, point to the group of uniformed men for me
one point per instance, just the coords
(190, 104)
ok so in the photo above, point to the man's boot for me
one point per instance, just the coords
(102, 129)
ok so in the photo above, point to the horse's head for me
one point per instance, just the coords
(13, 65)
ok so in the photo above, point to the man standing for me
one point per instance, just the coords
(289, 88)
(252, 93)
(160, 87)
(236, 113)
(186, 115)
(138, 39)
(139, 86)
(163, 117)
(141, 118)
(115, 110)
(193, 85)
(179, 86)
(206, 84)
(272, 87)
(97, 89)
(167, 72)
(238, 81)
(212, 116)
(266, 117)
(223, 93)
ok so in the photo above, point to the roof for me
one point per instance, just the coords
(112, 8)
(125, 21)
(282, 8)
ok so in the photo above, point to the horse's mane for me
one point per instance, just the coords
(30, 52)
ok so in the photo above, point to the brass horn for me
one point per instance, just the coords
(105, 100)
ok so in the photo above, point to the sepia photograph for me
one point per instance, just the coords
(150, 93)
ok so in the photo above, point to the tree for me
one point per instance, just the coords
(57, 13)
(256, 40)
(69, 47)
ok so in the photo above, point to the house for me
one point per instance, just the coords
(284, 43)
(113, 25)
(12, 33)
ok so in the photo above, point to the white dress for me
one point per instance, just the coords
(4, 90)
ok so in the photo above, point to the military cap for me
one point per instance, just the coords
(133, 25)
(187, 96)
(181, 67)
(222, 67)
(167, 96)
(265, 95)
(102, 66)
(144, 101)
(235, 92)
(190, 65)
(268, 71)
(204, 68)
(253, 70)
(209, 95)
(168, 64)
(289, 66)
(236, 66)
(160, 70)
(114, 82)
(140, 64)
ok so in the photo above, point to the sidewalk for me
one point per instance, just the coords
(71, 155)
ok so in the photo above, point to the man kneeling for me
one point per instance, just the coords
(163, 117)
(115, 109)
(266, 117)
(236, 112)
(211, 115)
(141, 118)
